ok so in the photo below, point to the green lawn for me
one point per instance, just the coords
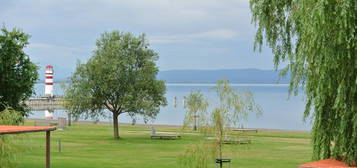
(92, 146)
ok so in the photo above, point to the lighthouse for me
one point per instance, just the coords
(49, 89)
(49, 81)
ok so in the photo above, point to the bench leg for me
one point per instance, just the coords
(48, 149)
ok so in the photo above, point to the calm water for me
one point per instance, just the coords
(279, 112)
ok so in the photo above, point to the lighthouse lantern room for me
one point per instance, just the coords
(49, 81)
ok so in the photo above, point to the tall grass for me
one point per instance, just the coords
(8, 147)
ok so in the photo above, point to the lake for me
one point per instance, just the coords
(279, 111)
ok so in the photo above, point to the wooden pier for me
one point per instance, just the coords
(45, 103)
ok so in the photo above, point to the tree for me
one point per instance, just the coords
(120, 77)
(318, 40)
(17, 73)
(66, 105)
(196, 106)
(233, 107)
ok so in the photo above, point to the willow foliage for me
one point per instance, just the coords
(8, 147)
(197, 156)
(318, 40)
(233, 107)
(196, 110)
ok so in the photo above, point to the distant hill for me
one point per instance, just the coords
(211, 76)
(203, 76)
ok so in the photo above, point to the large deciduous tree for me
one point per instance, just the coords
(120, 77)
(318, 40)
(17, 73)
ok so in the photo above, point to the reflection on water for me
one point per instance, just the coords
(279, 112)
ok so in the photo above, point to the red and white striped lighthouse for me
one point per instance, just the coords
(49, 81)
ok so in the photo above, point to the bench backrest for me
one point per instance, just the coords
(153, 131)
(42, 123)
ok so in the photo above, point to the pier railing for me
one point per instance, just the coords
(45, 103)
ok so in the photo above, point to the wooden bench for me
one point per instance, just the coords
(46, 123)
(60, 123)
(232, 140)
(237, 141)
(157, 136)
(165, 136)
(246, 130)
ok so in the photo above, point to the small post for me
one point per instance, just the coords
(48, 149)
(59, 145)
(175, 101)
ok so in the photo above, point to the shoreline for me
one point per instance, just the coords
(166, 125)
(200, 83)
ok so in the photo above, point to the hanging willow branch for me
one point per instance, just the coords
(232, 108)
(318, 38)
(196, 110)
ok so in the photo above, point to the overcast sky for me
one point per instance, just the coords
(187, 34)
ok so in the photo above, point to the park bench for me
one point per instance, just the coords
(46, 123)
(246, 130)
(236, 141)
(60, 123)
(228, 140)
(166, 136)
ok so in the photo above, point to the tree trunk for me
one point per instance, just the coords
(195, 124)
(195, 121)
(69, 119)
(116, 125)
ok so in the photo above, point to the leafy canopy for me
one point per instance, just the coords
(17, 73)
(233, 107)
(120, 77)
(318, 40)
(196, 110)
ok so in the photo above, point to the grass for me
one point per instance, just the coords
(87, 145)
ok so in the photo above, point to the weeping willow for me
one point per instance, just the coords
(8, 147)
(196, 110)
(318, 40)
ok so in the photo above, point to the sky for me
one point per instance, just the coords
(187, 34)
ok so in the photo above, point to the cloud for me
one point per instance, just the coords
(219, 34)
(52, 47)
(222, 34)
(150, 16)
(63, 31)
(58, 55)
